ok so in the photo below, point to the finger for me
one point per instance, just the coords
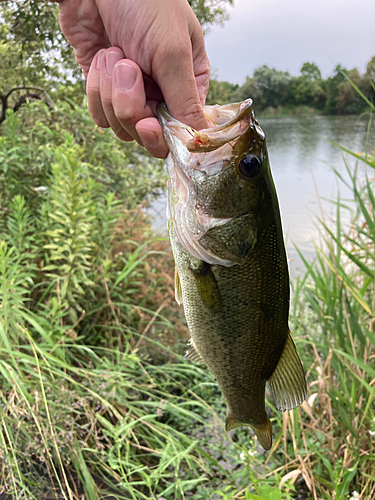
(94, 102)
(151, 135)
(201, 63)
(110, 58)
(176, 79)
(129, 97)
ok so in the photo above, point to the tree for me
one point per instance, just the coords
(331, 85)
(272, 85)
(310, 71)
(221, 92)
(307, 89)
(33, 47)
(348, 101)
(342, 97)
(369, 79)
(370, 70)
(210, 12)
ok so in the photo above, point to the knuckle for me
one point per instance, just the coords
(126, 115)
(92, 90)
(192, 112)
(204, 68)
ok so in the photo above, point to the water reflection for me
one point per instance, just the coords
(299, 154)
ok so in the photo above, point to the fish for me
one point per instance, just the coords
(231, 273)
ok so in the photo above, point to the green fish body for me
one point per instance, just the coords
(231, 267)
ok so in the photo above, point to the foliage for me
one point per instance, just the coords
(347, 100)
(267, 87)
(220, 92)
(311, 71)
(308, 89)
(210, 12)
(77, 403)
(341, 96)
(31, 136)
(335, 309)
(33, 50)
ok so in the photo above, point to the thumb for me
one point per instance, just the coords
(177, 82)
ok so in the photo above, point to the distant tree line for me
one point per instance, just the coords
(275, 91)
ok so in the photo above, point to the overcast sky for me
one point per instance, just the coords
(285, 33)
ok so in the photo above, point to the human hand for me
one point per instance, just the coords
(135, 53)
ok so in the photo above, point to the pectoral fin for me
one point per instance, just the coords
(206, 284)
(287, 382)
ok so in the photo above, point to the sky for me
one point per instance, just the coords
(286, 33)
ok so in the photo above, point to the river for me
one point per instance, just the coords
(301, 161)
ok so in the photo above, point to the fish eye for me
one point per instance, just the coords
(249, 166)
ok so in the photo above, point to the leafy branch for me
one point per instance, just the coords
(40, 95)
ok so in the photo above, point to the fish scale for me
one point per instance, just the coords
(231, 268)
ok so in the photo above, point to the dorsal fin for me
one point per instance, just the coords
(287, 382)
(192, 354)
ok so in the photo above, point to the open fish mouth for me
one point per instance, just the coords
(228, 123)
(208, 149)
(196, 156)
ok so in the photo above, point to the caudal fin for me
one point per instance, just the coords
(287, 382)
(263, 431)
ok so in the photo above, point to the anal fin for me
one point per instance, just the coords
(177, 287)
(192, 354)
(287, 382)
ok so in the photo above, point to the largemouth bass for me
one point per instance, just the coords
(231, 269)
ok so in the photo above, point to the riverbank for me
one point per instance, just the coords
(283, 111)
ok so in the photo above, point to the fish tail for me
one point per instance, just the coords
(264, 434)
(262, 431)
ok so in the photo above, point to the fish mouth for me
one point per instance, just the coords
(229, 122)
